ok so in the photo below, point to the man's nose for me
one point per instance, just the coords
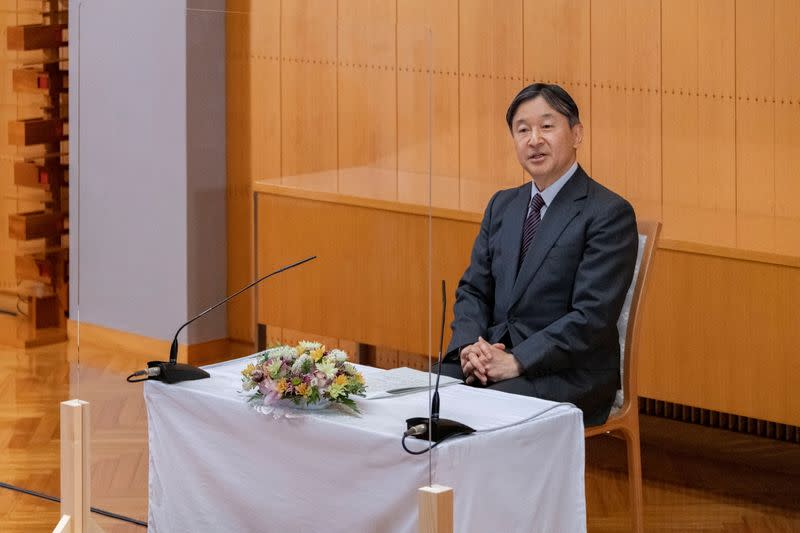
(535, 137)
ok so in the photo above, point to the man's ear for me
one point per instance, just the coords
(577, 135)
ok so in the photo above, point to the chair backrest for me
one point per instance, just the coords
(628, 323)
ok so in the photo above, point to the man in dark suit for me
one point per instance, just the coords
(536, 310)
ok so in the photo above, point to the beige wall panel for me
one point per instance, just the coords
(582, 94)
(680, 127)
(680, 169)
(717, 47)
(309, 93)
(626, 104)
(490, 60)
(427, 162)
(367, 99)
(721, 334)
(373, 263)
(351, 290)
(643, 165)
(253, 139)
(755, 125)
(698, 144)
(308, 126)
(557, 41)
(427, 32)
(488, 158)
(557, 48)
(308, 30)
(427, 35)
(787, 127)
(490, 38)
(626, 151)
(367, 133)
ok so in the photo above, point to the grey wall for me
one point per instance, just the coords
(147, 222)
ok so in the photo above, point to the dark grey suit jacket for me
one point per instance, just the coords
(559, 312)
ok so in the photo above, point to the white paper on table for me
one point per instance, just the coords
(403, 380)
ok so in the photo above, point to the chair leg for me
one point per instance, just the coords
(635, 479)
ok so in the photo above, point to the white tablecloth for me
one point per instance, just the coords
(217, 465)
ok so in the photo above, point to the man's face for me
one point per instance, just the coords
(546, 145)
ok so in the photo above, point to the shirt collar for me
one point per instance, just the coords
(549, 194)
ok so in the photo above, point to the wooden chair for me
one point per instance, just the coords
(624, 422)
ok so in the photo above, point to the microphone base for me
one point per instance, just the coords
(442, 428)
(177, 372)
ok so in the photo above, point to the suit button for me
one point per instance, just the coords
(511, 320)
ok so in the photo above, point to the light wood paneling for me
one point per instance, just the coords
(787, 127)
(721, 333)
(309, 94)
(626, 103)
(371, 280)
(698, 144)
(367, 103)
(557, 49)
(490, 76)
(755, 124)
(427, 102)
(253, 139)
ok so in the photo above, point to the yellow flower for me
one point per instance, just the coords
(280, 386)
(303, 389)
(359, 377)
(248, 370)
(340, 380)
(317, 354)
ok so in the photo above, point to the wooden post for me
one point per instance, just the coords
(75, 479)
(435, 509)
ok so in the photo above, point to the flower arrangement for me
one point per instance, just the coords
(306, 374)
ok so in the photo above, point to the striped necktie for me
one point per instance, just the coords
(531, 225)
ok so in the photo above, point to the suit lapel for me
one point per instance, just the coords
(566, 206)
(512, 232)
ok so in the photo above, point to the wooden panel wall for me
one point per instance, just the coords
(691, 109)
(691, 106)
(719, 333)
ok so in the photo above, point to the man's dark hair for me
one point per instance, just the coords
(554, 95)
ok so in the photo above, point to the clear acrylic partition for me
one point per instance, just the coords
(216, 142)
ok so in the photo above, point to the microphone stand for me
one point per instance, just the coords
(175, 372)
(434, 428)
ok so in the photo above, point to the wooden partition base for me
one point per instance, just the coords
(75, 477)
(435, 509)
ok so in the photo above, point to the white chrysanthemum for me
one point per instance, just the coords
(328, 368)
(284, 353)
(297, 366)
(337, 355)
(308, 346)
(349, 369)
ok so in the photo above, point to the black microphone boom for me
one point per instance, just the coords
(434, 428)
(173, 371)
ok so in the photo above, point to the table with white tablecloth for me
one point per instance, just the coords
(217, 464)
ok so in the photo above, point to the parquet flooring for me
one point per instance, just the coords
(696, 479)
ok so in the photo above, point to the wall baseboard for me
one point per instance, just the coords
(202, 353)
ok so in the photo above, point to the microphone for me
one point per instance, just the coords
(175, 372)
(438, 429)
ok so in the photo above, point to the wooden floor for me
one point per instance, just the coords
(696, 479)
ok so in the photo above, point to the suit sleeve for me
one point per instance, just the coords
(601, 283)
(475, 292)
